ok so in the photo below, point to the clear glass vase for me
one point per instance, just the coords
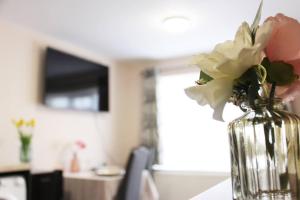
(25, 153)
(265, 154)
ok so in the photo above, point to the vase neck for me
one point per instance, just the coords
(263, 104)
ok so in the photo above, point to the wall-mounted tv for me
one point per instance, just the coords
(74, 83)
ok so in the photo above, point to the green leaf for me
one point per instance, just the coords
(25, 139)
(248, 82)
(266, 62)
(257, 18)
(280, 72)
(247, 77)
(204, 78)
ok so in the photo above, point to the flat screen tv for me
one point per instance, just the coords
(74, 83)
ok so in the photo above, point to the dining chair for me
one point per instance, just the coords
(130, 186)
(47, 185)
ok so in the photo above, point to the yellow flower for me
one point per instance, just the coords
(31, 123)
(19, 123)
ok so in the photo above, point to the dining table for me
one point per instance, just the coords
(88, 185)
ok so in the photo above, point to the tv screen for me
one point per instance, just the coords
(75, 83)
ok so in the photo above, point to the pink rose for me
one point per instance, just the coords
(289, 93)
(284, 45)
(80, 144)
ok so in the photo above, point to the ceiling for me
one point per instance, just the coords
(132, 29)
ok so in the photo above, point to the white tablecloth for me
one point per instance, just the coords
(88, 186)
(221, 191)
(7, 196)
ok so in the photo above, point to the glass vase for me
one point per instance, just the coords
(265, 154)
(25, 153)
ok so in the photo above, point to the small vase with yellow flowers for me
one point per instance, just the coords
(25, 131)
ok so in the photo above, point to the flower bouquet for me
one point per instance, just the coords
(251, 66)
(25, 131)
(257, 71)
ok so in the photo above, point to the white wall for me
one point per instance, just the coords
(109, 136)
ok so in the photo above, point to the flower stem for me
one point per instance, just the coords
(272, 94)
(265, 90)
(262, 73)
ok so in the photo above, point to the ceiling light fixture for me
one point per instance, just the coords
(176, 24)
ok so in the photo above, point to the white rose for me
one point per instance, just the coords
(227, 62)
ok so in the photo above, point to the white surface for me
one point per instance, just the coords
(220, 191)
(7, 196)
(91, 176)
(133, 28)
(181, 185)
(12, 188)
(110, 171)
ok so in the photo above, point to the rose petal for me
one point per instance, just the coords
(280, 90)
(284, 44)
(291, 93)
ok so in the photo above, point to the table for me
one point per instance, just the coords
(87, 185)
(221, 191)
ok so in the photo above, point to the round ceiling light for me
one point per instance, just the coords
(176, 24)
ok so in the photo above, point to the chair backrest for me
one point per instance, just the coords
(47, 186)
(130, 186)
(151, 159)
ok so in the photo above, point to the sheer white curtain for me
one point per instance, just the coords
(189, 138)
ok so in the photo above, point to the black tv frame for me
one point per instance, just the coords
(74, 81)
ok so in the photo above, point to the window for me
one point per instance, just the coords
(189, 138)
